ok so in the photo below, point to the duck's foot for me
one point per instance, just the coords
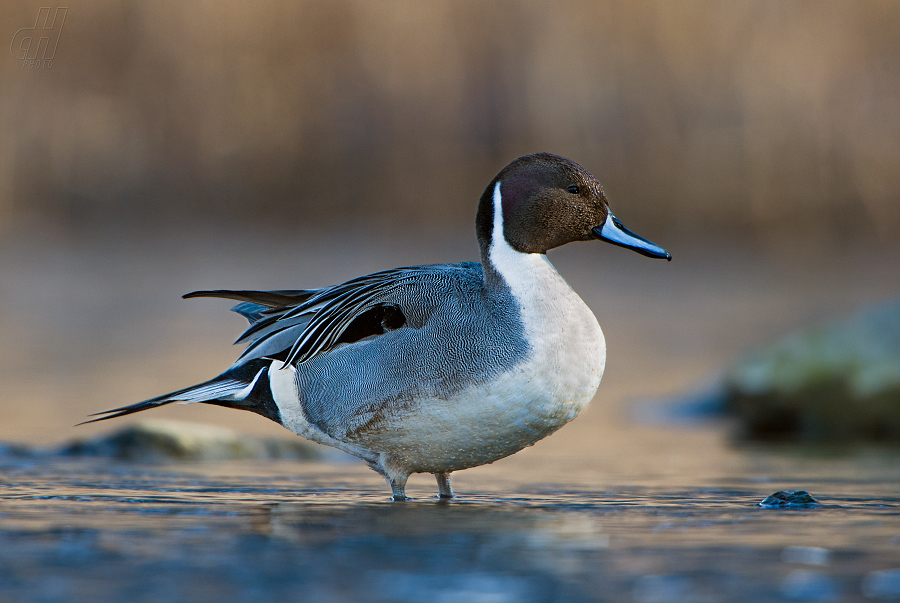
(443, 480)
(398, 486)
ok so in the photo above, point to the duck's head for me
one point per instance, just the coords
(545, 201)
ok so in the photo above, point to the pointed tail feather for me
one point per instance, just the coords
(125, 410)
(223, 390)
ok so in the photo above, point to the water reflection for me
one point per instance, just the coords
(103, 531)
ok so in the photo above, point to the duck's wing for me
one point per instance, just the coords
(296, 326)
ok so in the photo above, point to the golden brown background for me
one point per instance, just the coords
(759, 118)
(181, 145)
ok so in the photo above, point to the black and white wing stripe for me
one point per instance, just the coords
(315, 321)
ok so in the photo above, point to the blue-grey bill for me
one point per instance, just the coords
(614, 232)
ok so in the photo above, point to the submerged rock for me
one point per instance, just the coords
(783, 499)
(161, 440)
(835, 382)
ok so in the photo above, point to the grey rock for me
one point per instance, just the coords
(799, 499)
(835, 382)
(162, 440)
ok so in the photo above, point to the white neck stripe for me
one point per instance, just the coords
(514, 266)
(497, 228)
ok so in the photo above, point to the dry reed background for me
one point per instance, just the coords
(181, 145)
(766, 118)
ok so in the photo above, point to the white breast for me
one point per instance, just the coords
(568, 354)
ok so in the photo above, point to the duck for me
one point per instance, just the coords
(434, 368)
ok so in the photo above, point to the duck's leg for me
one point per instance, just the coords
(443, 480)
(398, 486)
(395, 474)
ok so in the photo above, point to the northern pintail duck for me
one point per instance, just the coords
(433, 369)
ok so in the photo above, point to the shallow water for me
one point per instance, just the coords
(95, 530)
(604, 510)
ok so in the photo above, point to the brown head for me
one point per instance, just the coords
(546, 201)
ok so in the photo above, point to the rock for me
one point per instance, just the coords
(161, 440)
(837, 382)
(800, 499)
(15, 450)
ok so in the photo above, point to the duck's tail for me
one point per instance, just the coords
(245, 387)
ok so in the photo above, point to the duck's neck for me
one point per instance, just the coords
(503, 265)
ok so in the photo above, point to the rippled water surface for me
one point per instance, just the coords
(102, 531)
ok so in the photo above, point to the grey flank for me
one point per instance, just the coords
(457, 334)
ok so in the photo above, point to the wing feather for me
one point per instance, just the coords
(306, 323)
(270, 299)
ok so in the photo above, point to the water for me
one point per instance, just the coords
(604, 510)
(95, 530)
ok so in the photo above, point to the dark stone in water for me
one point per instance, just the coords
(800, 499)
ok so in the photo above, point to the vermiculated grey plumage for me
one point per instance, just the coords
(442, 346)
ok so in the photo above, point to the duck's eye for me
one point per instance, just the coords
(572, 188)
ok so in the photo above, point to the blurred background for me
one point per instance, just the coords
(171, 146)
(762, 118)
(174, 146)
